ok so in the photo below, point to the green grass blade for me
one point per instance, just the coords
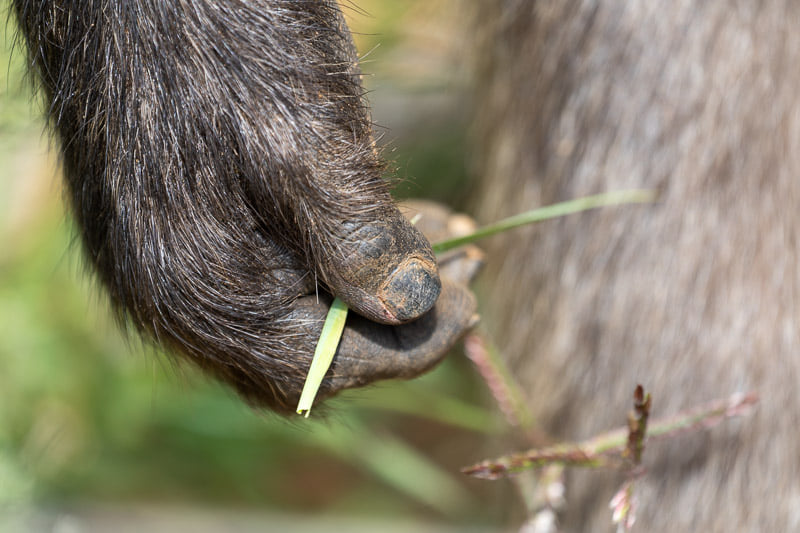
(323, 355)
(634, 196)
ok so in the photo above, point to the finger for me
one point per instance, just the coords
(384, 269)
(369, 352)
(438, 222)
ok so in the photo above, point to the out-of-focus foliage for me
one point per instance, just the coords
(415, 63)
(89, 419)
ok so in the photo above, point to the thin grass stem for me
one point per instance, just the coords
(634, 196)
(323, 355)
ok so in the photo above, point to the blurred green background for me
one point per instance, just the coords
(99, 433)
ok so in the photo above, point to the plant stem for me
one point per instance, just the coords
(634, 196)
(598, 451)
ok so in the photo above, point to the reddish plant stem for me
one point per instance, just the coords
(607, 449)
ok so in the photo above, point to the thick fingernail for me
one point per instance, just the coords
(411, 290)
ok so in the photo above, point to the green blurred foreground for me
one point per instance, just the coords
(99, 434)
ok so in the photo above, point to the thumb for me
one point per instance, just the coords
(370, 352)
(384, 269)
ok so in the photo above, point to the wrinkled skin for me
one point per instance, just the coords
(221, 168)
(696, 297)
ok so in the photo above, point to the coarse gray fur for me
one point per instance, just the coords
(697, 297)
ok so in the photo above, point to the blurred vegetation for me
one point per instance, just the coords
(415, 66)
(88, 418)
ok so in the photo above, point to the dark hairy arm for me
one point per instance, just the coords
(222, 171)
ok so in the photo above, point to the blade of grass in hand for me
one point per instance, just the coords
(323, 355)
(334, 323)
